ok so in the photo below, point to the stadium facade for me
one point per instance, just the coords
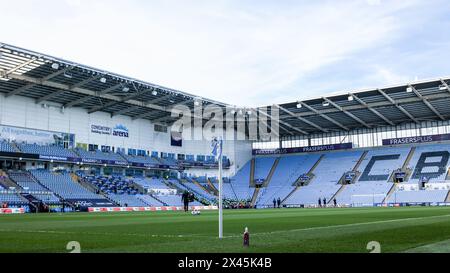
(73, 135)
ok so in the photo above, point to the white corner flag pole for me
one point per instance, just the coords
(217, 146)
(220, 199)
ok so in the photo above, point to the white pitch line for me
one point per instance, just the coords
(105, 234)
(343, 226)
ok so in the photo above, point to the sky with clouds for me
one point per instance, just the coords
(242, 52)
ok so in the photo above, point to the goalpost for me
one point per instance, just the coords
(367, 200)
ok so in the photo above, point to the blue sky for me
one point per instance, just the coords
(242, 52)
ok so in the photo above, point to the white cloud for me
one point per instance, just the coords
(224, 50)
(374, 2)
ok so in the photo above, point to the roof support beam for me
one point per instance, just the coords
(125, 110)
(399, 107)
(445, 84)
(128, 98)
(302, 119)
(427, 103)
(374, 105)
(82, 91)
(347, 112)
(20, 90)
(12, 70)
(149, 105)
(130, 109)
(144, 115)
(112, 103)
(62, 91)
(277, 134)
(282, 123)
(86, 98)
(324, 116)
(33, 84)
(372, 110)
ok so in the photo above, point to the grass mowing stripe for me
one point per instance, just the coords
(102, 234)
(349, 225)
(285, 230)
(439, 247)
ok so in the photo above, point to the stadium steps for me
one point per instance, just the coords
(122, 156)
(234, 192)
(159, 200)
(406, 164)
(140, 188)
(8, 182)
(16, 148)
(156, 199)
(266, 182)
(252, 173)
(171, 185)
(310, 174)
(76, 152)
(272, 171)
(316, 165)
(290, 194)
(184, 185)
(341, 189)
(87, 185)
(199, 185)
(390, 193)
(45, 187)
(33, 201)
(255, 197)
(216, 191)
(84, 184)
(447, 199)
(408, 159)
(360, 161)
(355, 169)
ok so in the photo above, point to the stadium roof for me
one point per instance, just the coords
(48, 79)
(427, 100)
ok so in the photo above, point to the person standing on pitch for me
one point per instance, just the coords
(335, 202)
(320, 202)
(274, 203)
(185, 200)
(325, 202)
(279, 202)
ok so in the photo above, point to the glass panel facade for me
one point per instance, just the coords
(360, 137)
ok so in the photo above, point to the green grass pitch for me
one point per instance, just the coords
(419, 229)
